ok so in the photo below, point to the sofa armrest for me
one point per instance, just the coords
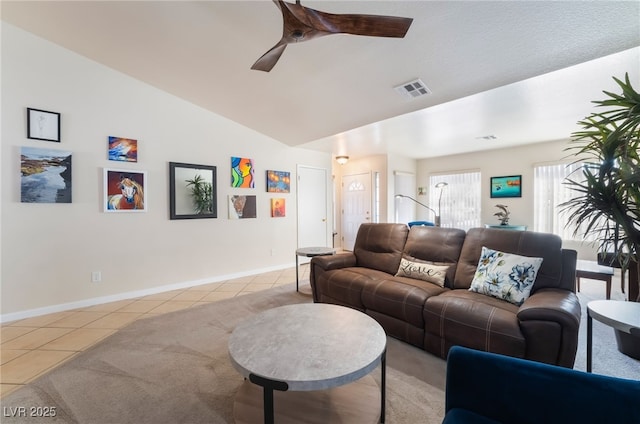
(557, 305)
(327, 263)
(549, 320)
(514, 390)
(321, 264)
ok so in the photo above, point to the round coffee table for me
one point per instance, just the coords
(622, 316)
(309, 347)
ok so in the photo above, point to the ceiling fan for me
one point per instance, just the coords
(303, 23)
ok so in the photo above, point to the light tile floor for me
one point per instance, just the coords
(34, 346)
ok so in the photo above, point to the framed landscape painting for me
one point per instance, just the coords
(509, 186)
(45, 175)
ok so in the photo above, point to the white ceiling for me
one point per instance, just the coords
(502, 68)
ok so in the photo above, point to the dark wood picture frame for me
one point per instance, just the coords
(43, 125)
(180, 198)
(506, 186)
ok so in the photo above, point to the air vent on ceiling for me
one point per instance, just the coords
(412, 89)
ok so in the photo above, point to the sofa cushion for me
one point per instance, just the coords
(423, 270)
(437, 245)
(505, 276)
(400, 297)
(525, 243)
(461, 317)
(379, 246)
(344, 286)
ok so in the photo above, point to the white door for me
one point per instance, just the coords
(356, 206)
(312, 208)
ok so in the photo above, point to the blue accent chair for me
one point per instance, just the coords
(488, 388)
(423, 223)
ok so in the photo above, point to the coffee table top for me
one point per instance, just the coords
(309, 346)
(621, 315)
(315, 251)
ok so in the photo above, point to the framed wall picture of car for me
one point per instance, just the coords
(507, 186)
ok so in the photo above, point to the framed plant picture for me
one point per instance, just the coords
(124, 190)
(43, 125)
(509, 186)
(192, 191)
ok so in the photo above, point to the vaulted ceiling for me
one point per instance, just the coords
(500, 72)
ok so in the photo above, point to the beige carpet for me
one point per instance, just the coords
(175, 369)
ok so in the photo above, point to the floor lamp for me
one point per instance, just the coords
(441, 186)
(435, 214)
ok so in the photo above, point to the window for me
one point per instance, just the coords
(549, 193)
(460, 204)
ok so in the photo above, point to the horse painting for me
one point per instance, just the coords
(131, 195)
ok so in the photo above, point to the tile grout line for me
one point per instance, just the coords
(244, 287)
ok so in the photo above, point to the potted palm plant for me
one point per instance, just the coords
(606, 207)
(201, 194)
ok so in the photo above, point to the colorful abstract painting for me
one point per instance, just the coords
(242, 173)
(124, 191)
(123, 149)
(241, 207)
(278, 181)
(278, 208)
(45, 175)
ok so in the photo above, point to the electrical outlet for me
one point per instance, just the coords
(96, 276)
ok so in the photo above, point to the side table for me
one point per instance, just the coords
(623, 316)
(594, 271)
(310, 252)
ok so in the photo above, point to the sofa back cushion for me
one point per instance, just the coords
(436, 245)
(525, 243)
(379, 246)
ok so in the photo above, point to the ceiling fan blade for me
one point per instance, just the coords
(268, 60)
(370, 25)
(302, 23)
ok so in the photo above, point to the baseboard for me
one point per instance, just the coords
(14, 316)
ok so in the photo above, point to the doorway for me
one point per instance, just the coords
(356, 206)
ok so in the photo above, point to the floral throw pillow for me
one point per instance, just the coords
(426, 271)
(505, 276)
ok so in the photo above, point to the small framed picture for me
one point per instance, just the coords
(43, 125)
(509, 186)
(124, 191)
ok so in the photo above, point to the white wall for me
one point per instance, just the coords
(50, 250)
(508, 161)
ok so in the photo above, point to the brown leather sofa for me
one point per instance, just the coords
(544, 328)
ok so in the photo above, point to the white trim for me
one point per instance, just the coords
(30, 313)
